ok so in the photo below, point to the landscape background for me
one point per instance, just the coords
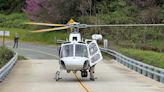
(142, 43)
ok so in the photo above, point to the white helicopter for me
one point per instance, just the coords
(76, 54)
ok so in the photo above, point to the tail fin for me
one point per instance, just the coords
(70, 21)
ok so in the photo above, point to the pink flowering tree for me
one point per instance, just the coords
(54, 10)
(32, 9)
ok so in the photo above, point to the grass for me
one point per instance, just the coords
(148, 57)
(27, 36)
(106, 56)
(21, 57)
(5, 55)
(156, 43)
(153, 45)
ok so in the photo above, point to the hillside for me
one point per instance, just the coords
(93, 12)
(135, 42)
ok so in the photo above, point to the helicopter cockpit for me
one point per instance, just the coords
(74, 50)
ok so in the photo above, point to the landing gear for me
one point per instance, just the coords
(92, 70)
(57, 76)
(84, 73)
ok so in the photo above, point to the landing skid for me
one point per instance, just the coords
(57, 76)
(84, 73)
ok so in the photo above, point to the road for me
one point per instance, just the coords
(37, 73)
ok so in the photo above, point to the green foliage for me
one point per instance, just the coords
(161, 15)
(102, 12)
(22, 58)
(156, 43)
(5, 55)
(15, 20)
(27, 36)
(106, 56)
(130, 11)
(149, 57)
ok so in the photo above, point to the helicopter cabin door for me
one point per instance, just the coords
(94, 53)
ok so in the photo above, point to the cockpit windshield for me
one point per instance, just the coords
(81, 51)
(67, 51)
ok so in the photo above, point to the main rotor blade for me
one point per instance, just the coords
(50, 29)
(45, 24)
(125, 25)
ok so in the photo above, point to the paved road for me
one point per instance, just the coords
(36, 51)
(36, 75)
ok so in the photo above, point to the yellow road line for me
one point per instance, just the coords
(82, 84)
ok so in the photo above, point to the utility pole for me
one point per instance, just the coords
(3, 34)
(3, 38)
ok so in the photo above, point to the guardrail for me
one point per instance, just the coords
(142, 68)
(6, 68)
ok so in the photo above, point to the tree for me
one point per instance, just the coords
(10, 6)
(151, 15)
(55, 10)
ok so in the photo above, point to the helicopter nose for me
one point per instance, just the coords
(74, 63)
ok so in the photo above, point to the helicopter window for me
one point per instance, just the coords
(67, 51)
(81, 50)
(93, 48)
(75, 29)
(95, 58)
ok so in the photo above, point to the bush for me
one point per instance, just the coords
(148, 57)
(5, 55)
(14, 20)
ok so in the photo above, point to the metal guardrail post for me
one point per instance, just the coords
(134, 68)
(144, 72)
(161, 77)
(131, 66)
(156, 77)
(150, 75)
(139, 70)
(117, 59)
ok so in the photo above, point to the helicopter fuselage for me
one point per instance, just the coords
(74, 56)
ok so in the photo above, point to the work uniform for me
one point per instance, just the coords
(16, 38)
(92, 71)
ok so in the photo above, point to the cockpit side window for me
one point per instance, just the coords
(81, 51)
(93, 48)
(67, 51)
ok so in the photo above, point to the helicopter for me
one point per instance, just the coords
(76, 54)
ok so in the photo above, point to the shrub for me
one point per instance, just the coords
(14, 20)
(5, 55)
